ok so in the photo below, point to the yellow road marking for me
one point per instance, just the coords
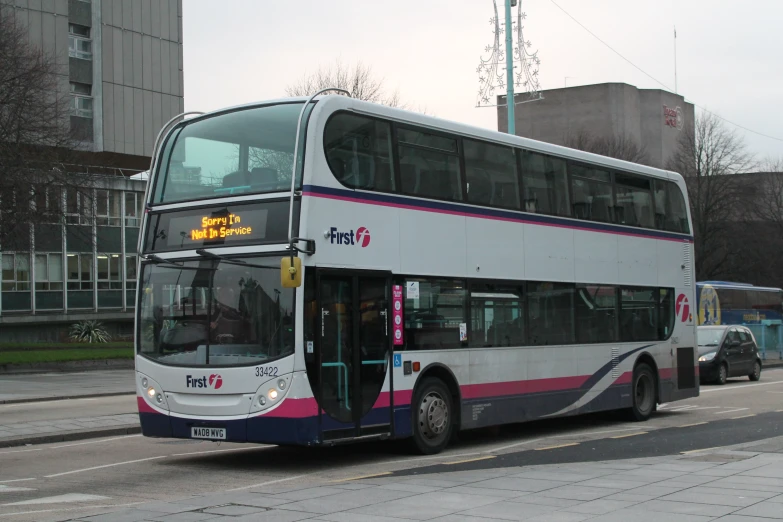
(629, 435)
(364, 476)
(698, 450)
(469, 460)
(558, 446)
(689, 425)
(744, 416)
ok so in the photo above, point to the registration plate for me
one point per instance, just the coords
(208, 433)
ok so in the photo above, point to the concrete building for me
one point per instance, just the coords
(121, 60)
(653, 118)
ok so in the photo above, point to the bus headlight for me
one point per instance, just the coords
(261, 400)
(159, 398)
(281, 384)
(151, 392)
(707, 357)
(144, 383)
(272, 394)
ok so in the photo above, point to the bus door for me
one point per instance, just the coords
(353, 354)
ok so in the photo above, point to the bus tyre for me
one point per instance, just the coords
(432, 416)
(755, 375)
(643, 393)
(723, 374)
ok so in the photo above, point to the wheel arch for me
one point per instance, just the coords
(444, 373)
(648, 359)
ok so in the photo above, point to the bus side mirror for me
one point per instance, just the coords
(291, 272)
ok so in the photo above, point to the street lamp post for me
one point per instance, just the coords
(510, 69)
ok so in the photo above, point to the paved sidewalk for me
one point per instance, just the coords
(51, 386)
(743, 483)
(47, 431)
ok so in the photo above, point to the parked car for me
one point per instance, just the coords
(727, 351)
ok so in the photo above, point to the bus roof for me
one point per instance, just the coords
(338, 102)
(738, 286)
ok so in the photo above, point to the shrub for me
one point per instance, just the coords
(89, 332)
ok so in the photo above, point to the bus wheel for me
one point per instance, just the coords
(432, 416)
(643, 393)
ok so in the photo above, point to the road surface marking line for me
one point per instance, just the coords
(740, 387)
(222, 451)
(20, 451)
(15, 480)
(778, 411)
(104, 466)
(689, 425)
(776, 392)
(556, 447)
(698, 450)
(730, 411)
(437, 457)
(93, 441)
(629, 435)
(501, 448)
(487, 457)
(591, 433)
(71, 509)
(267, 483)
(60, 499)
(744, 416)
(360, 477)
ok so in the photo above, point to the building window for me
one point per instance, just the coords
(78, 207)
(130, 271)
(109, 277)
(133, 203)
(16, 272)
(79, 43)
(107, 208)
(81, 100)
(48, 271)
(49, 203)
(80, 272)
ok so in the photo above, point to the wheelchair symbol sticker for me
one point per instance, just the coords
(397, 360)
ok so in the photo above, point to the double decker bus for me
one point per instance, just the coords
(725, 302)
(329, 270)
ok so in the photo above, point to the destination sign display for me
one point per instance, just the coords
(242, 224)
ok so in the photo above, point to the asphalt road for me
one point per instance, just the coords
(59, 481)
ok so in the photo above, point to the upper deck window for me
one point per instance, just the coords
(429, 165)
(491, 175)
(247, 151)
(358, 150)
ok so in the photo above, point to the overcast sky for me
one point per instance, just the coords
(728, 52)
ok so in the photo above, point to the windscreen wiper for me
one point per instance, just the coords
(230, 261)
(157, 260)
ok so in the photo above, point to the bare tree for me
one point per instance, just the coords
(35, 137)
(618, 146)
(709, 155)
(359, 80)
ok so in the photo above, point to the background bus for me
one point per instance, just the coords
(451, 278)
(724, 302)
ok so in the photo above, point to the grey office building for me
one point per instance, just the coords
(653, 118)
(121, 60)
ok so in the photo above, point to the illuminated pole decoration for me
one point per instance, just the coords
(494, 76)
